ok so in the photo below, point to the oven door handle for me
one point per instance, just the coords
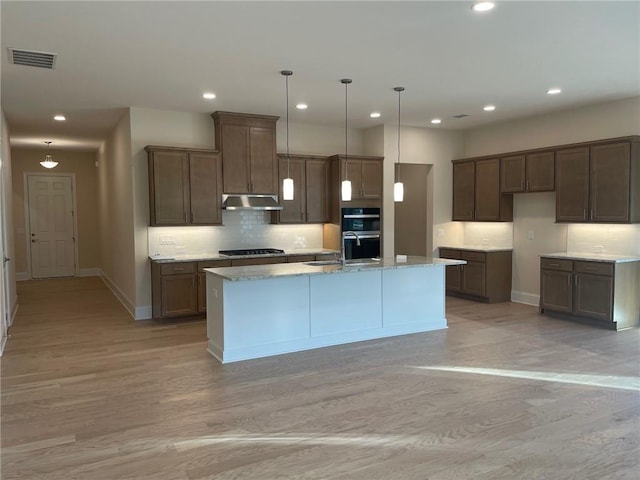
(364, 236)
(362, 216)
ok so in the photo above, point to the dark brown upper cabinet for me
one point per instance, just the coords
(532, 172)
(476, 192)
(310, 176)
(247, 144)
(185, 186)
(365, 174)
(599, 183)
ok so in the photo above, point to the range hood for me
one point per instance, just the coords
(250, 202)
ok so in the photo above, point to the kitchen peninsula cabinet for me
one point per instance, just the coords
(311, 187)
(600, 291)
(486, 276)
(247, 144)
(532, 172)
(476, 192)
(184, 186)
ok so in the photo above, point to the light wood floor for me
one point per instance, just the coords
(89, 394)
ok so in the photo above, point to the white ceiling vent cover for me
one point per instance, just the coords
(32, 58)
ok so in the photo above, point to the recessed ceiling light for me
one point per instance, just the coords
(554, 91)
(302, 106)
(209, 95)
(375, 114)
(483, 6)
(60, 118)
(489, 108)
(436, 121)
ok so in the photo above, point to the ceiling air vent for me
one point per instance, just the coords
(31, 58)
(461, 115)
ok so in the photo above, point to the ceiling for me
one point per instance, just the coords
(451, 60)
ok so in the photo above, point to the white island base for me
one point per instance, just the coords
(265, 310)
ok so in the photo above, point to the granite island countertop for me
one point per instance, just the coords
(592, 257)
(203, 257)
(256, 272)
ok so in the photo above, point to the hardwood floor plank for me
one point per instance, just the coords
(503, 393)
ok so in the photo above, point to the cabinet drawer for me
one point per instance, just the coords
(240, 262)
(213, 264)
(597, 268)
(449, 253)
(556, 264)
(301, 258)
(473, 256)
(177, 268)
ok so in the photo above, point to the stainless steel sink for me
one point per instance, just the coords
(362, 262)
(319, 263)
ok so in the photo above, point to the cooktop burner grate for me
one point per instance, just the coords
(250, 251)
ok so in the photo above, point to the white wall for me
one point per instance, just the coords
(308, 139)
(536, 212)
(115, 184)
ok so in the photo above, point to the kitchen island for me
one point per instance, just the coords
(262, 310)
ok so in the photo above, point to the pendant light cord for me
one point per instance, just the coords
(399, 90)
(346, 82)
(286, 78)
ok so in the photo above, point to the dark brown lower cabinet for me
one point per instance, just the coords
(486, 275)
(602, 292)
(179, 289)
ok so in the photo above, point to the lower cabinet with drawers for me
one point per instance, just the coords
(178, 289)
(606, 293)
(485, 277)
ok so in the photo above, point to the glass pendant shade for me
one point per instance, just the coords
(287, 189)
(346, 190)
(398, 192)
(48, 161)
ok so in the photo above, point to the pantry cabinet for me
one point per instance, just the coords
(184, 186)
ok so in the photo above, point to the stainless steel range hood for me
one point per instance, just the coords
(250, 202)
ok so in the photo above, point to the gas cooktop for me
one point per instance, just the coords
(250, 251)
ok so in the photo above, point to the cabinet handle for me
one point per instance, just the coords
(575, 280)
(554, 264)
(584, 213)
(591, 215)
(591, 268)
(177, 269)
(191, 217)
(527, 184)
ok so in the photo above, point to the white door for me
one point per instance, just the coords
(51, 226)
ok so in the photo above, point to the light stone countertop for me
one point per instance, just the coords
(478, 248)
(594, 257)
(202, 257)
(256, 272)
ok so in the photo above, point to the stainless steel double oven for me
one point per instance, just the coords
(365, 224)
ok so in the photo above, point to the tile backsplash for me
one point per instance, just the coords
(240, 229)
(608, 238)
(490, 234)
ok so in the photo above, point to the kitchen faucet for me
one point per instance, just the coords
(344, 237)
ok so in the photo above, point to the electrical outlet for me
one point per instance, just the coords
(167, 240)
(440, 232)
(598, 249)
(531, 235)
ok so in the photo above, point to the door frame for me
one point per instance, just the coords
(27, 223)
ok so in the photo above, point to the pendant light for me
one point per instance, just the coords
(398, 186)
(287, 183)
(346, 183)
(48, 159)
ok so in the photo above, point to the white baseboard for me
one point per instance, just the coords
(22, 276)
(526, 298)
(14, 312)
(89, 272)
(144, 313)
(124, 300)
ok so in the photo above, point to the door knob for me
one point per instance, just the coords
(34, 240)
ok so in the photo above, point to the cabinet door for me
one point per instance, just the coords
(512, 174)
(556, 291)
(263, 167)
(487, 192)
(474, 278)
(463, 191)
(540, 176)
(371, 179)
(609, 182)
(572, 185)
(205, 174)
(317, 185)
(354, 173)
(179, 295)
(453, 281)
(202, 292)
(292, 210)
(594, 296)
(170, 187)
(235, 152)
